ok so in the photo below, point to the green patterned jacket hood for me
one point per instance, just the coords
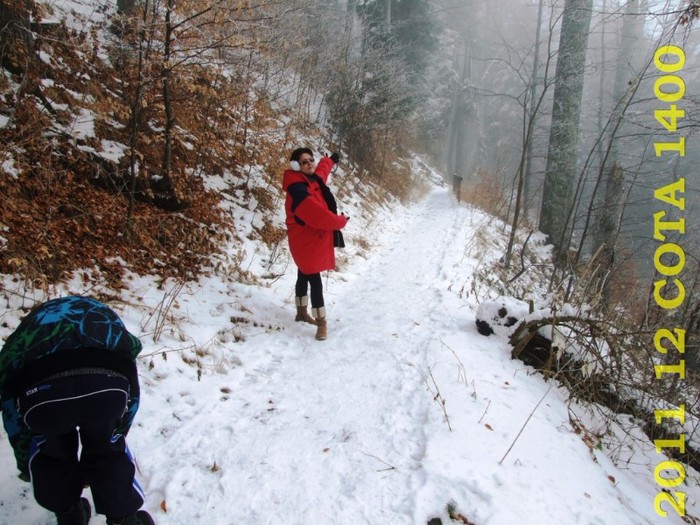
(60, 334)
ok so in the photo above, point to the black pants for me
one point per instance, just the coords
(84, 408)
(302, 287)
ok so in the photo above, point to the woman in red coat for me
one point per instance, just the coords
(310, 226)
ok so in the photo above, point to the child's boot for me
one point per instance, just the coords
(78, 514)
(140, 518)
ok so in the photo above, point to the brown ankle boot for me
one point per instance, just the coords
(302, 313)
(322, 325)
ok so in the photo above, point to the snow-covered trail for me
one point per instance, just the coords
(323, 431)
(247, 419)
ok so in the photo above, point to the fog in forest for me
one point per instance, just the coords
(496, 70)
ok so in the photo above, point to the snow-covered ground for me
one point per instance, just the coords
(246, 418)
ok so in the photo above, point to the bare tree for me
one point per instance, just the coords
(527, 182)
(627, 74)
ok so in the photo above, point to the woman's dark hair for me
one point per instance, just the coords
(297, 153)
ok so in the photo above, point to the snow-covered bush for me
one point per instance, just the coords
(500, 316)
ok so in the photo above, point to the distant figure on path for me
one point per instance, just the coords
(312, 226)
(457, 187)
(68, 377)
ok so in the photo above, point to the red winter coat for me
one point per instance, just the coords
(310, 223)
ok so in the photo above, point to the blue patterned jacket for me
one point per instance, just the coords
(59, 335)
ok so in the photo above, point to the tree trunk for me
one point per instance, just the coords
(601, 89)
(126, 7)
(563, 138)
(163, 190)
(167, 99)
(134, 122)
(607, 227)
(350, 17)
(527, 187)
(626, 71)
(626, 75)
(456, 117)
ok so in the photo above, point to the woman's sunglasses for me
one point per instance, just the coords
(307, 161)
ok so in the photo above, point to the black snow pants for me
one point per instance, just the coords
(80, 407)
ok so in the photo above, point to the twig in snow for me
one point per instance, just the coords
(462, 370)
(527, 421)
(438, 397)
(389, 467)
(485, 410)
(161, 311)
